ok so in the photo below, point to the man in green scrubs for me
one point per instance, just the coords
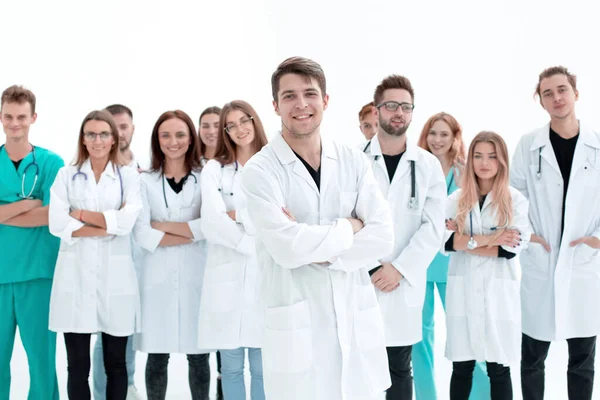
(28, 251)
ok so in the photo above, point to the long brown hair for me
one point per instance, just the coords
(210, 110)
(501, 201)
(82, 151)
(192, 156)
(457, 151)
(226, 148)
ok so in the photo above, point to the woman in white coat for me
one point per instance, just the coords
(230, 314)
(488, 226)
(94, 204)
(169, 232)
(208, 133)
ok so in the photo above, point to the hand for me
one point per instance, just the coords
(387, 278)
(357, 224)
(76, 214)
(451, 225)
(231, 214)
(290, 216)
(508, 237)
(591, 241)
(540, 240)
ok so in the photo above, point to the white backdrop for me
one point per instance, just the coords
(476, 60)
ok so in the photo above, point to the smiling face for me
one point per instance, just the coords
(17, 119)
(240, 128)
(369, 125)
(98, 139)
(174, 138)
(126, 128)
(300, 104)
(209, 130)
(440, 138)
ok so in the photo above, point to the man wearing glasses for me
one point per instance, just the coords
(29, 251)
(413, 182)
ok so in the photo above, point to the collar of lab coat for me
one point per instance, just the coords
(109, 171)
(411, 152)
(286, 155)
(586, 136)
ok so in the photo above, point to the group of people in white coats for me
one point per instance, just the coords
(318, 260)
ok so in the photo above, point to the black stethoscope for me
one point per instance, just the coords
(413, 203)
(185, 177)
(539, 171)
(86, 178)
(232, 180)
(32, 164)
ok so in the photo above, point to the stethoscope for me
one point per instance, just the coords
(35, 178)
(539, 171)
(86, 178)
(185, 177)
(472, 243)
(413, 203)
(232, 180)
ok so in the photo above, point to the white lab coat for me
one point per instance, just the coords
(95, 285)
(170, 276)
(560, 290)
(418, 234)
(324, 335)
(483, 310)
(230, 311)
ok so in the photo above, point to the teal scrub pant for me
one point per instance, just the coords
(27, 305)
(422, 354)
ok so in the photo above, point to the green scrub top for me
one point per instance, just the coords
(27, 253)
(438, 269)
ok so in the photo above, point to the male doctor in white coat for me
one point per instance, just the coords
(557, 167)
(414, 184)
(321, 222)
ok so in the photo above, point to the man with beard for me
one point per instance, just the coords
(413, 182)
(123, 117)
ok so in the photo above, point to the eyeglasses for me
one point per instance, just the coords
(393, 106)
(233, 127)
(91, 136)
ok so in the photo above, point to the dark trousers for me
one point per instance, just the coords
(462, 380)
(157, 376)
(401, 373)
(580, 371)
(78, 360)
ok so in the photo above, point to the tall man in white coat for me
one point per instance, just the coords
(414, 184)
(321, 222)
(557, 167)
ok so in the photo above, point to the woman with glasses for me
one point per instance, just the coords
(208, 133)
(94, 204)
(230, 317)
(169, 232)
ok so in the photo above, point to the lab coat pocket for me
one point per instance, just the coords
(121, 276)
(585, 256)
(413, 295)
(505, 301)
(66, 274)
(288, 339)
(534, 261)
(455, 296)
(368, 328)
(222, 288)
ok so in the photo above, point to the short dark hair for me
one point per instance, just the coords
(557, 70)
(300, 66)
(18, 94)
(393, 82)
(115, 109)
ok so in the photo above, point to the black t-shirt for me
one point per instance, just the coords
(564, 150)
(17, 163)
(391, 163)
(177, 186)
(316, 175)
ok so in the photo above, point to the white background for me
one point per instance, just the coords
(477, 60)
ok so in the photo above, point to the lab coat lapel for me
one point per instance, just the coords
(587, 145)
(542, 141)
(328, 163)
(286, 156)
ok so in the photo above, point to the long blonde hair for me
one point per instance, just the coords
(501, 201)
